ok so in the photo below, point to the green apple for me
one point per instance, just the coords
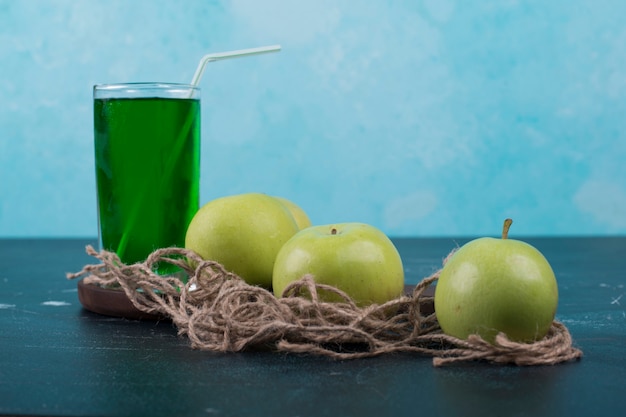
(302, 219)
(497, 285)
(356, 258)
(242, 232)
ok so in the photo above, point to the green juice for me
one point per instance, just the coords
(147, 153)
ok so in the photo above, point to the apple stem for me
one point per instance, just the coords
(333, 231)
(506, 227)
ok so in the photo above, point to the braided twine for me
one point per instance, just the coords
(218, 311)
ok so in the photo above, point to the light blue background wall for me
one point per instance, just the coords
(422, 117)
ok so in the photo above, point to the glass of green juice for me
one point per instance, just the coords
(147, 158)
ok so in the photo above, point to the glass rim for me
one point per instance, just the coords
(146, 89)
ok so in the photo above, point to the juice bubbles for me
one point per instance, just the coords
(147, 153)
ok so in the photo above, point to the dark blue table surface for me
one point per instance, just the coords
(58, 359)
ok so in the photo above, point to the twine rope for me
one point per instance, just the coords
(219, 311)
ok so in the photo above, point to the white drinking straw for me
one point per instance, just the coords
(231, 54)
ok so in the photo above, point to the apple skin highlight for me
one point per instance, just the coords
(497, 285)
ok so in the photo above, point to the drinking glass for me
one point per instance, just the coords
(147, 158)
